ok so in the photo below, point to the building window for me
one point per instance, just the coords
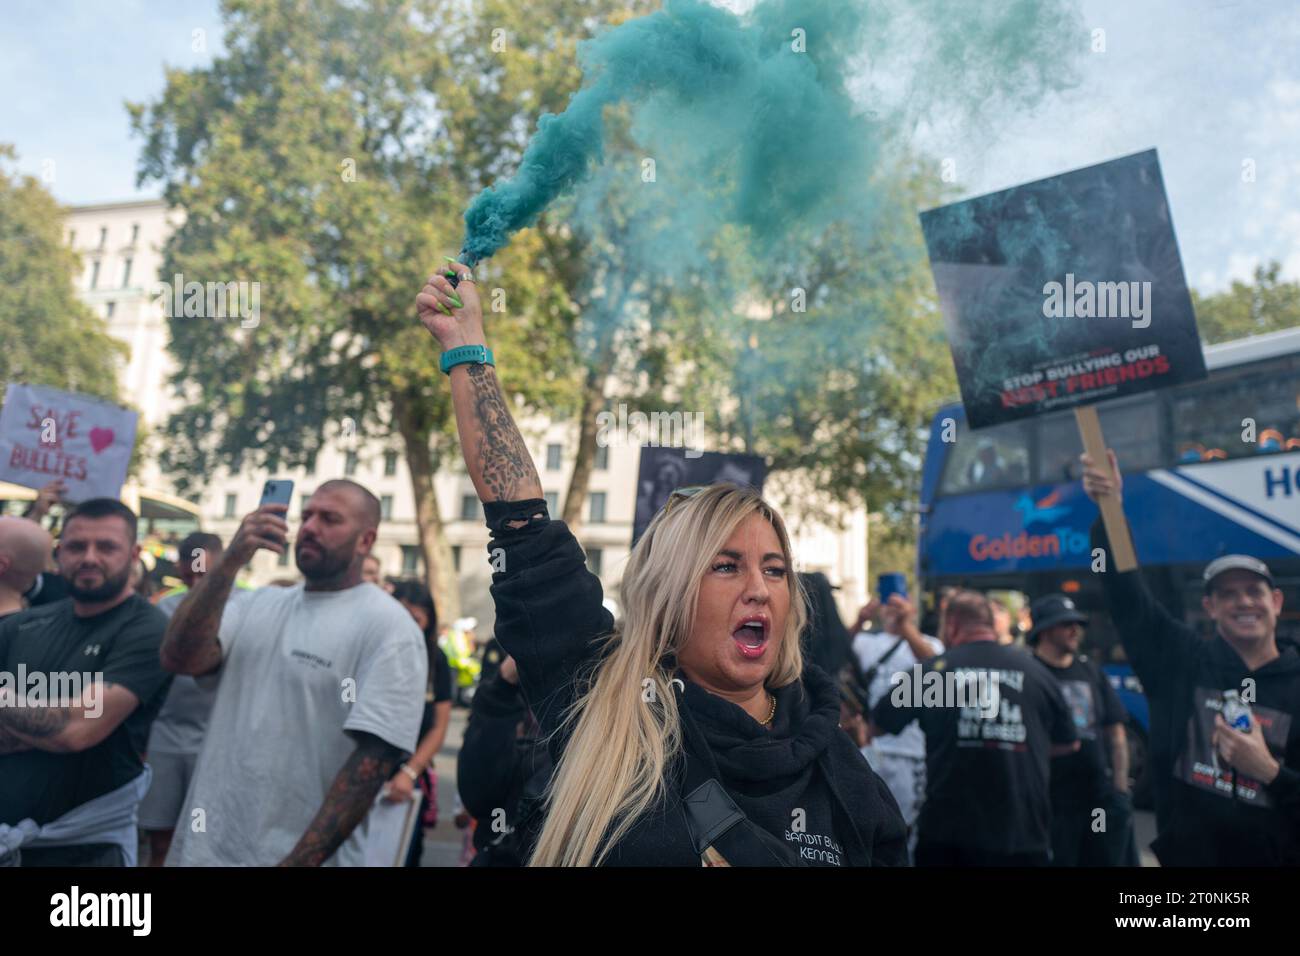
(552, 503)
(94, 274)
(135, 232)
(597, 515)
(468, 507)
(126, 274)
(594, 556)
(310, 467)
(411, 561)
(554, 453)
(455, 557)
(602, 458)
(390, 464)
(350, 464)
(103, 236)
(108, 309)
(232, 502)
(386, 507)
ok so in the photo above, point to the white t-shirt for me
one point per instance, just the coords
(871, 646)
(298, 669)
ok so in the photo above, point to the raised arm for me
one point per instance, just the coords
(190, 645)
(495, 454)
(1154, 641)
(549, 609)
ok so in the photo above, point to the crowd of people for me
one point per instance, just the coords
(728, 717)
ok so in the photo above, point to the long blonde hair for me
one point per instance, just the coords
(626, 730)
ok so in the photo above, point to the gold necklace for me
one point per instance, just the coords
(771, 713)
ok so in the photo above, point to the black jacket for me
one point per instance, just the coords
(501, 775)
(804, 781)
(1201, 819)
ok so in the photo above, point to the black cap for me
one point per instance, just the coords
(1235, 562)
(1051, 610)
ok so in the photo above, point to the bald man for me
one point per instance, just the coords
(320, 694)
(25, 549)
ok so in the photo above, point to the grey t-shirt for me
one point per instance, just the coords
(180, 725)
(299, 668)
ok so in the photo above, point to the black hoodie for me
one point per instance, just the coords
(1202, 820)
(803, 781)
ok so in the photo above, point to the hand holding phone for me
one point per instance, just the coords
(266, 527)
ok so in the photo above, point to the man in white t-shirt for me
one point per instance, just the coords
(319, 699)
(899, 759)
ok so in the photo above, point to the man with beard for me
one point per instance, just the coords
(80, 682)
(320, 689)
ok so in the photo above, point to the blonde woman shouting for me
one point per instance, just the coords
(692, 733)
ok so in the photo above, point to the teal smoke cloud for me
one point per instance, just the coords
(782, 112)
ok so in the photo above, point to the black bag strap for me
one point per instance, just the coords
(712, 817)
(870, 674)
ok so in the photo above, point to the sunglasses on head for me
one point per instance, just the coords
(682, 494)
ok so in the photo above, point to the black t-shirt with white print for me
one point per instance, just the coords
(987, 751)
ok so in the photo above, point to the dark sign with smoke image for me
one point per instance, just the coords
(664, 470)
(1064, 291)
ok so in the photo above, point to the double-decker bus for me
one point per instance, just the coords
(1210, 468)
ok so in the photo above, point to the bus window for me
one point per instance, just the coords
(1219, 420)
(995, 457)
(1132, 428)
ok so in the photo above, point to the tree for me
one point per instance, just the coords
(1270, 304)
(50, 336)
(316, 160)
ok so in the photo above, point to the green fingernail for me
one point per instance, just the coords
(444, 309)
(459, 304)
(450, 259)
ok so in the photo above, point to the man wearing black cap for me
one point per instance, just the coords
(1080, 783)
(1224, 796)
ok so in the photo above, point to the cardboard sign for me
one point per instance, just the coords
(47, 434)
(1064, 292)
(663, 470)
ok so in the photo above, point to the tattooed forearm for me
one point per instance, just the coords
(504, 465)
(190, 645)
(349, 798)
(35, 721)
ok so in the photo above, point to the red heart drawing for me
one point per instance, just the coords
(100, 438)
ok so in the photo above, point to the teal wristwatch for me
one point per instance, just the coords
(464, 354)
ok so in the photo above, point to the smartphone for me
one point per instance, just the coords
(890, 584)
(278, 491)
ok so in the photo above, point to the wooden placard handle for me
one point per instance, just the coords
(1112, 512)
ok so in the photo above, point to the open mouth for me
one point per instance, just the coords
(751, 638)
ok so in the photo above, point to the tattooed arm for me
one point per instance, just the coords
(348, 801)
(65, 729)
(191, 645)
(495, 454)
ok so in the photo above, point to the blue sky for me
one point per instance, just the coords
(1210, 83)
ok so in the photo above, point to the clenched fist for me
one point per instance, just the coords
(453, 316)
